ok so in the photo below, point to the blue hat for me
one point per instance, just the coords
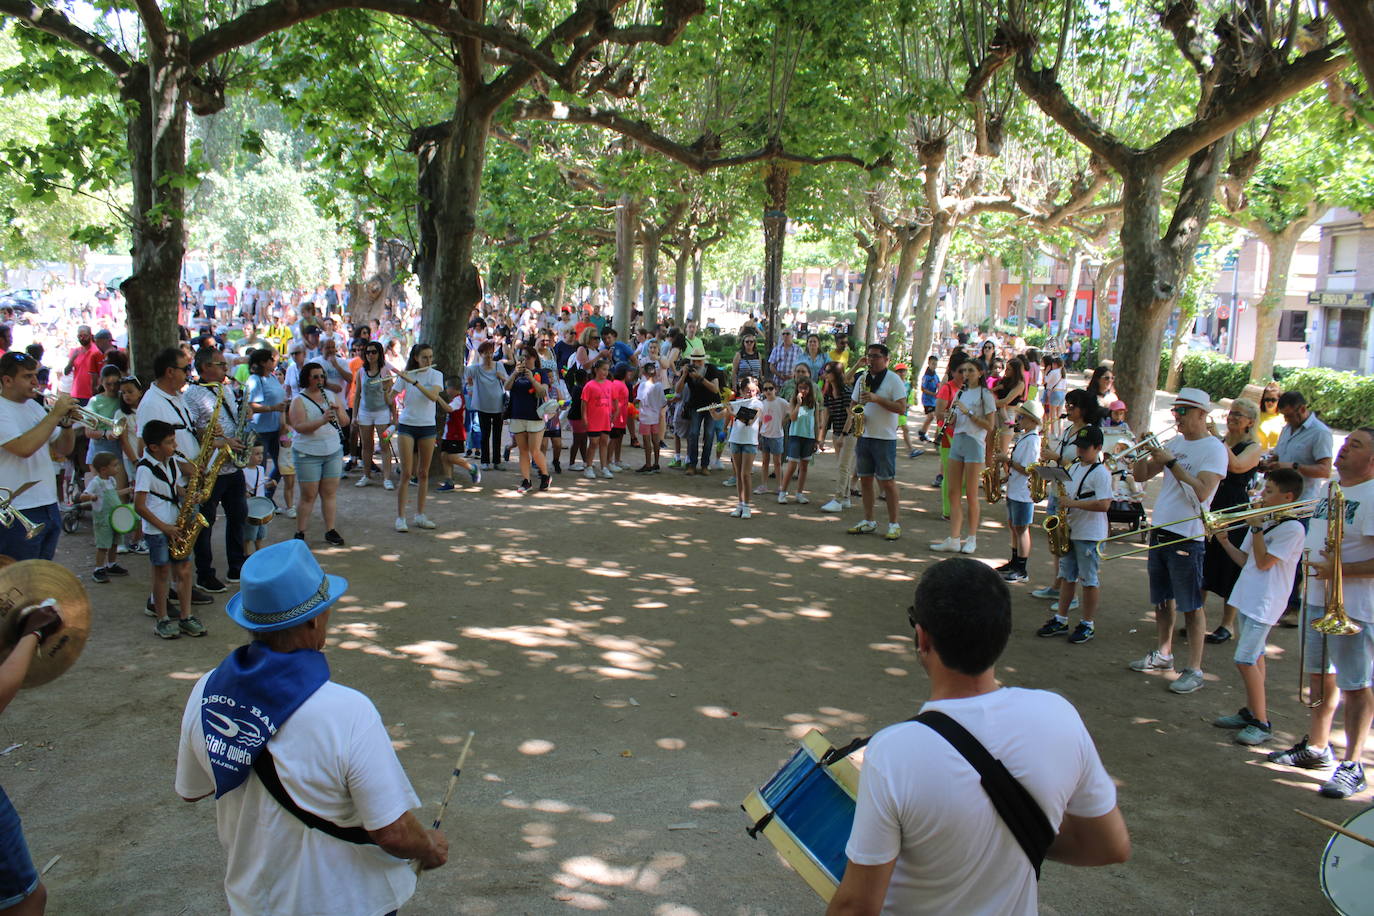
(281, 586)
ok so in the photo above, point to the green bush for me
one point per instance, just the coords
(1343, 400)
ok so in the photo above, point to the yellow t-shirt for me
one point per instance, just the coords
(1267, 433)
(841, 357)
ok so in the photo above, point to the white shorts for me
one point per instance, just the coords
(526, 426)
(373, 417)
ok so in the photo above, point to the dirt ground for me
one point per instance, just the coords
(634, 662)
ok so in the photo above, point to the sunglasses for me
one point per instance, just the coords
(1181, 411)
(1269, 400)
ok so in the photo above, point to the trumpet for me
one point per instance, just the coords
(1133, 454)
(89, 418)
(9, 515)
(1214, 523)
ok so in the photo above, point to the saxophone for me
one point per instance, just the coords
(1057, 526)
(190, 523)
(244, 434)
(992, 474)
(857, 411)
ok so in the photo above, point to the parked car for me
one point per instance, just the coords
(21, 300)
(1015, 320)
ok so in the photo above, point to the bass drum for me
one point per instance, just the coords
(1347, 870)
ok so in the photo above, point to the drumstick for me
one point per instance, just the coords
(1329, 825)
(448, 794)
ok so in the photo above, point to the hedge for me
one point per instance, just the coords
(1343, 400)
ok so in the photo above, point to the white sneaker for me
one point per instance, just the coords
(744, 512)
(801, 498)
(782, 498)
(422, 521)
(388, 484)
(575, 466)
(589, 474)
(970, 545)
(617, 466)
(606, 474)
(948, 545)
(290, 512)
(761, 488)
(401, 525)
(846, 503)
(737, 511)
(363, 482)
(833, 506)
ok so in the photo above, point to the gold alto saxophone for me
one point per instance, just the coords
(190, 523)
(1039, 486)
(857, 411)
(1056, 526)
(991, 477)
(244, 434)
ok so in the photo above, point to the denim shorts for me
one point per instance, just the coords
(1176, 572)
(1312, 649)
(770, 445)
(1251, 639)
(314, 468)
(1351, 656)
(18, 877)
(1056, 398)
(967, 449)
(743, 448)
(1019, 514)
(800, 448)
(417, 432)
(158, 554)
(1080, 563)
(875, 458)
(254, 532)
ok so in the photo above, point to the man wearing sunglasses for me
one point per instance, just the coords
(1193, 464)
(1305, 445)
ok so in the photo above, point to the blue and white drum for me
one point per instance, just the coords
(1347, 873)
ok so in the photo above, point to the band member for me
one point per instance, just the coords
(883, 396)
(30, 433)
(229, 490)
(1352, 656)
(281, 747)
(927, 837)
(1193, 466)
(1087, 496)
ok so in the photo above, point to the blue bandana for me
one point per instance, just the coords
(247, 698)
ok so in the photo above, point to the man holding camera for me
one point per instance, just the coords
(700, 383)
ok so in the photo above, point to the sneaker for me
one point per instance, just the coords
(445, 487)
(761, 488)
(846, 503)
(1015, 575)
(122, 548)
(1053, 627)
(557, 469)
(388, 484)
(675, 464)
(140, 548)
(916, 453)
(970, 545)
(1048, 592)
(864, 527)
(737, 511)
(1190, 681)
(364, 481)
(801, 499)
(114, 569)
(1252, 735)
(289, 512)
(210, 584)
(948, 545)
(496, 466)
(333, 537)
(401, 525)
(476, 473)
(148, 608)
(575, 466)
(200, 597)
(644, 469)
(939, 480)
(745, 512)
(655, 470)
(832, 506)
(1302, 755)
(99, 575)
(191, 626)
(729, 481)
(422, 521)
(894, 531)
(1241, 718)
(782, 499)
(544, 482)
(617, 467)
(1218, 636)
(524, 487)
(167, 628)
(1081, 634)
(1154, 660)
(415, 481)
(1348, 780)
(299, 536)
(607, 474)
(589, 474)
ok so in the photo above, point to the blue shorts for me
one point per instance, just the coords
(1251, 639)
(1312, 649)
(1176, 571)
(1080, 563)
(743, 448)
(314, 468)
(876, 458)
(967, 449)
(1056, 398)
(18, 877)
(1351, 656)
(770, 445)
(254, 532)
(158, 554)
(800, 448)
(417, 432)
(1019, 514)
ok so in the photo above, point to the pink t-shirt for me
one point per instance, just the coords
(770, 417)
(620, 403)
(86, 364)
(597, 399)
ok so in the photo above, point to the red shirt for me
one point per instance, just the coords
(947, 392)
(455, 428)
(86, 364)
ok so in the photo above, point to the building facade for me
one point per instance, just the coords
(1343, 332)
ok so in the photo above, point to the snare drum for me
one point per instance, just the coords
(123, 518)
(260, 510)
(1347, 872)
(807, 812)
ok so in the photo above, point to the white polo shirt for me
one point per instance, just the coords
(170, 408)
(17, 418)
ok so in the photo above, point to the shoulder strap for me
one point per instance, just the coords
(162, 476)
(1017, 807)
(266, 768)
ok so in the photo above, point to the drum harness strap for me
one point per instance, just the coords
(1017, 807)
(266, 768)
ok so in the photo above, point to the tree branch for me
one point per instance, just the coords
(1080, 198)
(52, 21)
(1357, 20)
(1044, 89)
(156, 27)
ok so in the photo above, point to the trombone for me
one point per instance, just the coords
(1334, 621)
(1212, 523)
(89, 418)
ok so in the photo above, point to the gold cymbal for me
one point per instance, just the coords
(29, 583)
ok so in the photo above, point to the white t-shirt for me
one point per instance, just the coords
(744, 433)
(1088, 481)
(170, 408)
(980, 402)
(922, 804)
(1024, 453)
(652, 400)
(17, 418)
(161, 493)
(1263, 594)
(1356, 545)
(324, 441)
(255, 480)
(416, 407)
(1176, 501)
(292, 381)
(879, 422)
(335, 760)
(770, 418)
